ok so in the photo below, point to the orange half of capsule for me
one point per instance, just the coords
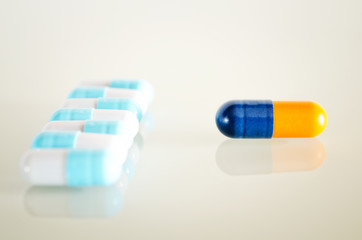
(298, 119)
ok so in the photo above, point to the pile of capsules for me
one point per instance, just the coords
(86, 142)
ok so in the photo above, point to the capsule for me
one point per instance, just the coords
(106, 92)
(84, 202)
(127, 128)
(72, 167)
(137, 84)
(105, 103)
(270, 119)
(73, 114)
(80, 140)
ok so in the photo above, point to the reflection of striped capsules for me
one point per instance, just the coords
(267, 119)
(66, 202)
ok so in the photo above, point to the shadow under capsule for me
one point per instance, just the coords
(262, 156)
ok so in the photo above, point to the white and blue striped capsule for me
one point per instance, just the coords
(136, 84)
(122, 128)
(105, 103)
(106, 92)
(74, 114)
(80, 140)
(72, 167)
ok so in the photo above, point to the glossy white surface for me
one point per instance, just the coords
(145, 87)
(80, 103)
(128, 129)
(197, 54)
(44, 166)
(112, 115)
(102, 141)
(64, 126)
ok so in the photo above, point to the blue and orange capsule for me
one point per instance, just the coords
(270, 119)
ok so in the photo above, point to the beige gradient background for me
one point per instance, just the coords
(197, 54)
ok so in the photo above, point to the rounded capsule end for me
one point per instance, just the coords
(320, 117)
(25, 167)
(225, 119)
(44, 167)
(298, 119)
(246, 119)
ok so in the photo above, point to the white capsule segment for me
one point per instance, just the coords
(127, 128)
(52, 139)
(137, 84)
(75, 114)
(106, 92)
(105, 103)
(73, 167)
(44, 167)
(68, 126)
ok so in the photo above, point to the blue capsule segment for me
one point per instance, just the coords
(72, 114)
(55, 140)
(120, 104)
(91, 167)
(129, 84)
(141, 85)
(105, 127)
(87, 92)
(246, 119)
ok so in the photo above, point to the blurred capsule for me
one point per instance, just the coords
(74, 114)
(106, 92)
(105, 103)
(126, 129)
(137, 84)
(72, 167)
(71, 139)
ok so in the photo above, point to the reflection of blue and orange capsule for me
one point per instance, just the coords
(267, 119)
(248, 157)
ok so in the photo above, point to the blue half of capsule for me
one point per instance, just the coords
(120, 104)
(105, 127)
(65, 114)
(141, 85)
(246, 119)
(90, 167)
(87, 92)
(55, 140)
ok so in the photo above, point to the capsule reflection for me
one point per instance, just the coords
(86, 202)
(73, 202)
(263, 156)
